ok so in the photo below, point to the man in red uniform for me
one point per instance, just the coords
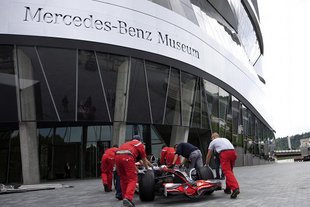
(167, 156)
(126, 157)
(107, 164)
(228, 157)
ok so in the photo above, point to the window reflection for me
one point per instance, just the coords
(212, 93)
(211, 22)
(59, 67)
(188, 82)
(8, 101)
(246, 31)
(10, 157)
(182, 7)
(36, 100)
(138, 100)
(237, 123)
(91, 160)
(110, 66)
(58, 148)
(243, 43)
(157, 142)
(99, 133)
(91, 97)
(225, 114)
(157, 77)
(173, 103)
(205, 110)
(197, 110)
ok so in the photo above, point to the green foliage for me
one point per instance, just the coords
(282, 144)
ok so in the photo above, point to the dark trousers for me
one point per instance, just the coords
(217, 164)
(118, 191)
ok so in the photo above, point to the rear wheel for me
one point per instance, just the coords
(146, 186)
(205, 173)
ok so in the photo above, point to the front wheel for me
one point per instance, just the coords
(146, 186)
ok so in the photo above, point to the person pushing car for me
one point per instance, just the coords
(107, 164)
(228, 157)
(126, 157)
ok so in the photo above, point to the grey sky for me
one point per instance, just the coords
(286, 32)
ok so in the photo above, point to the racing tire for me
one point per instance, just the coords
(147, 186)
(205, 173)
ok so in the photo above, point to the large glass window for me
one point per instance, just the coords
(45, 152)
(35, 92)
(188, 82)
(213, 23)
(91, 160)
(59, 66)
(212, 92)
(173, 103)
(163, 3)
(10, 157)
(138, 101)
(98, 140)
(205, 110)
(91, 98)
(157, 78)
(237, 123)
(99, 133)
(225, 114)
(8, 101)
(197, 112)
(246, 31)
(248, 139)
(182, 7)
(112, 67)
(157, 142)
(60, 147)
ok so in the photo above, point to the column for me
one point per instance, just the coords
(29, 152)
(119, 121)
(28, 130)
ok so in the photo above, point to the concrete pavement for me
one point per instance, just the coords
(272, 185)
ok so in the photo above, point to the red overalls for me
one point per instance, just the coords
(107, 164)
(125, 160)
(227, 159)
(167, 156)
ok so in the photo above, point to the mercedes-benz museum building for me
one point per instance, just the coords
(78, 76)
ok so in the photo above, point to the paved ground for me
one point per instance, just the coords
(273, 185)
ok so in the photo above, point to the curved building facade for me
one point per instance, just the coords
(78, 76)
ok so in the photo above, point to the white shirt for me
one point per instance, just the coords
(220, 144)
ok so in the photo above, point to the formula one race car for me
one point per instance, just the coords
(171, 181)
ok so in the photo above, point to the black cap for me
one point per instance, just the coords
(137, 137)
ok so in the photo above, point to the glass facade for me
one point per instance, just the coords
(10, 157)
(76, 94)
(8, 102)
(78, 86)
(240, 41)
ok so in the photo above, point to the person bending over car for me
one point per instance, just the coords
(126, 157)
(191, 153)
(228, 157)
